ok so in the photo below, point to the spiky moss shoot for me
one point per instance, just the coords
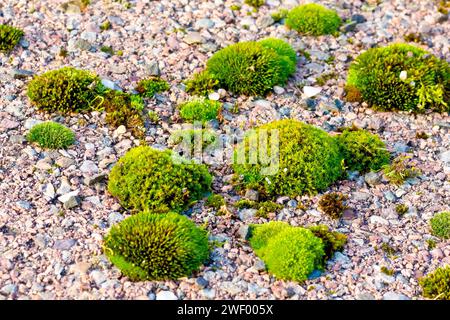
(440, 225)
(149, 87)
(401, 77)
(149, 179)
(308, 159)
(124, 109)
(313, 19)
(362, 150)
(201, 84)
(9, 37)
(255, 3)
(332, 240)
(200, 109)
(436, 285)
(333, 204)
(249, 68)
(290, 253)
(400, 170)
(150, 246)
(66, 90)
(51, 135)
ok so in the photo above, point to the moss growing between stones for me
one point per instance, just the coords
(401, 77)
(400, 170)
(65, 90)
(51, 135)
(332, 240)
(9, 37)
(150, 246)
(436, 285)
(149, 87)
(201, 84)
(333, 204)
(362, 150)
(215, 201)
(124, 109)
(309, 160)
(200, 109)
(255, 3)
(149, 179)
(313, 19)
(440, 225)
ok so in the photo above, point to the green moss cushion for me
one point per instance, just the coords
(149, 179)
(150, 246)
(401, 77)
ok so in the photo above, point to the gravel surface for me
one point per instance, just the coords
(55, 209)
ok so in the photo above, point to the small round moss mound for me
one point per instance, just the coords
(249, 68)
(200, 109)
(65, 90)
(436, 285)
(313, 19)
(309, 160)
(149, 179)
(201, 84)
(401, 77)
(440, 225)
(51, 135)
(362, 150)
(9, 37)
(150, 246)
(290, 253)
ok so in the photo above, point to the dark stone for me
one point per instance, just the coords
(201, 282)
(358, 18)
(349, 215)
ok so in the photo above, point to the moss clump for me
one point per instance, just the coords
(290, 253)
(279, 15)
(401, 209)
(333, 204)
(401, 77)
(150, 246)
(400, 170)
(200, 109)
(246, 204)
(266, 207)
(352, 94)
(251, 68)
(146, 178)
(308, 160)
(124, 109)
(149, 87)
(387, 271)
(440, 225)
(255, 3)
(215, 201)
(288, 56)
(9, 37)
(201, 84)
(332, 240)
(65, 90)
(362, 150)
(436, 285)
(51, 135)
(313, 19)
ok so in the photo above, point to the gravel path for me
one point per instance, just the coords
(50, 252)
